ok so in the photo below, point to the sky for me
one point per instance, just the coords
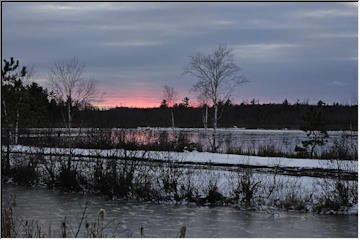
(305, 51)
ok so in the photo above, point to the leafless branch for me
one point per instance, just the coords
(170, 95)
(217, 74)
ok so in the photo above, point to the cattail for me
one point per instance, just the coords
(64, 228)
(142, 231)
(182, 232)
(102, 214)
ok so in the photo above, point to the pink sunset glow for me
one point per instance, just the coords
(151, 97)
(123, 102)
(136, 97)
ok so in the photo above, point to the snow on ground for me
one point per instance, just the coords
(353, 209)
(199, 157)
(299, 186)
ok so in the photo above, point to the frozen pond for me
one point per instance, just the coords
(164, 220)
(284, 140)
(234, 138)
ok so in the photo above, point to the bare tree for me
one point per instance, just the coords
(217, 76)
(170, 95)
(71, 89)
(205, 106)
(30, 72)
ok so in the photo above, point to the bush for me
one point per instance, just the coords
(188, 190)
(144, 190)
(294, 202)
(213, 195)
(343, 148)
(169, 176)
(68, 179)
(98, 178)
(247, 187)
(113, 182)
(336, 196)
(25, 173)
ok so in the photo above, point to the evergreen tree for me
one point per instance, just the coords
(12, 93)
(314, 126)
(11, 99)
(163, 104)
(186, 102)
(36, 99)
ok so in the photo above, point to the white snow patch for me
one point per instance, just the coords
(198, 157)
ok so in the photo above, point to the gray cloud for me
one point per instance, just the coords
(286, 50)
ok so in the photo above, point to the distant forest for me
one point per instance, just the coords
(270, 116)
(42, 112)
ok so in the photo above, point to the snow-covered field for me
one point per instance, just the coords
(304, 189)
(199, 157)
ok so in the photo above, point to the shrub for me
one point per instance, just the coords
(68, 179)
(294, 202)
(336, 195)
(98, 177)
(169, 176)
(144, 190)
(343, 148)
(188, 191)
(213, 195)
(49, 173)
(25, 173)
(247, 187)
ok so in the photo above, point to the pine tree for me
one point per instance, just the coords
(314, 126)
(186, 102)
(12, 89)
(163, 104)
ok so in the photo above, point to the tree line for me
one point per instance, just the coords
(269, 116)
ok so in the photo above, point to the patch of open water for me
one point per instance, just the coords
(165, 220)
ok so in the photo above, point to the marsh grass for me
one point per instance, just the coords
(130, 177)
(151, 140)
(134, 179)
